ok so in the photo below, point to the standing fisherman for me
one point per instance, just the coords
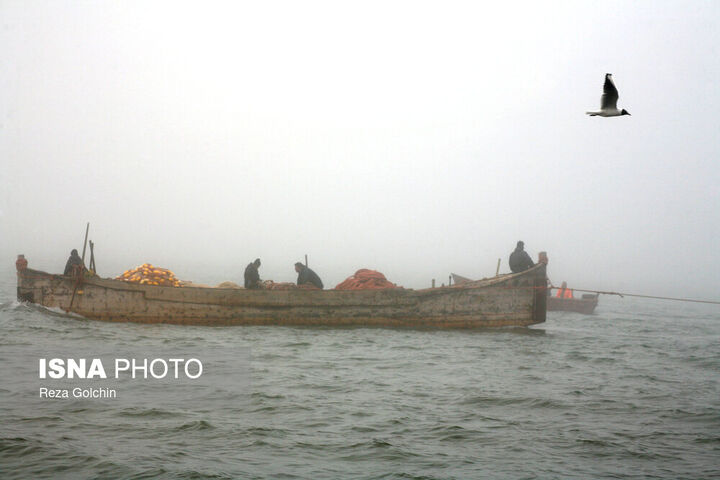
(74, 264)
(252, 277)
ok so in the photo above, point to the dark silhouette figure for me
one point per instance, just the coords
(307, 276)
(519, 259)
(74, 263)
(252, 276)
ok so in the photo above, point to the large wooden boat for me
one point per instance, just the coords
(585, 304)
(508, 300)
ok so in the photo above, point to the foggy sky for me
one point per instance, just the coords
(413, 138)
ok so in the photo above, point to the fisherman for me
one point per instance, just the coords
(252, 277)
(564, 292)
(74, 264)
(307, 277)
(519, 259)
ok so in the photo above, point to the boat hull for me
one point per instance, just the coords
(512, 300)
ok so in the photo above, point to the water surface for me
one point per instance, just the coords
(630, 392)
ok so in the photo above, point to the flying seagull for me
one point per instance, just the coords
(608, 101)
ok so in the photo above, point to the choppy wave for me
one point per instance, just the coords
(625, 393)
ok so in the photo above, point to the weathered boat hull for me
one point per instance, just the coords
(579, 305)
(512, 300)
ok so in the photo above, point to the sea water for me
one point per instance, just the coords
(632, 391)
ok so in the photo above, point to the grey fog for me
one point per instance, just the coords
(413, 138)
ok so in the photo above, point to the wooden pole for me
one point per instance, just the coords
(92, 266)
(87, 229)
(497, 271)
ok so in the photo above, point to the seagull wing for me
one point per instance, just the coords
(610, 94)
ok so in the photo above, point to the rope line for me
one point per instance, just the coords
(641, 296)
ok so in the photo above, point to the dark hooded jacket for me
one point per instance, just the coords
(72, 261)
(520, 260)
(252, 277)
(306, 275)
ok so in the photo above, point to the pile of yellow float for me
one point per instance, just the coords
(147, 274)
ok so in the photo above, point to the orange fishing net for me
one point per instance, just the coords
(147, 274)
(365, 279)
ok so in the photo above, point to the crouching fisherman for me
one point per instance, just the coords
(307, 277)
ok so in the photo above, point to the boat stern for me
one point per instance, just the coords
(539, 313)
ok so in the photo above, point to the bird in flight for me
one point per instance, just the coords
(608, 101)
